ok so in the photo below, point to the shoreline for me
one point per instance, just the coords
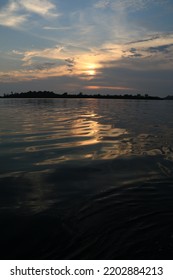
(47, 94)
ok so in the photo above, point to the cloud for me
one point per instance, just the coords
(130, 5)
(9, 15)
(150, 38)
(158, 47)
(70, 64)
(41, 7)
(43, 66)
(95, 64)
(48, 53)
(57, 28)
(103, 4)
(163, 49)
(69, 55)
(154, 40)
(38, 72)
(17, 12)
(109, 87)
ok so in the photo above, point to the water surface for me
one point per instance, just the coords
(86, 179)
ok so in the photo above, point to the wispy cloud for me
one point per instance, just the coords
(130, 5)
(154, 40)
(9, 15)
(161, 49)
(100, 44)
(48, 53)
(102, 4)
(36, 73)
(42, 66)
(109, 87)
(40, 7)
(154, 47)
(57, 28)
(70, 64)
(16, 12)
(153, 52)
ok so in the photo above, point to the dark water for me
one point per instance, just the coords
(86, 179)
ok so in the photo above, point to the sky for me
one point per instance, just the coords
(93, 46)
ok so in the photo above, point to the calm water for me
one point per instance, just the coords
(86, 179)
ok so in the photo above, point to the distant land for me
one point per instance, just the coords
(51, 94)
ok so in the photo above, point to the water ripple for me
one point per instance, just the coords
(86, 179)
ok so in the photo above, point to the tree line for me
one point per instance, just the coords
(51, 94)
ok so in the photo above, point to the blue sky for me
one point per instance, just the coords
(94, 46)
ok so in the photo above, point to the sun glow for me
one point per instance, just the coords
(91, 70)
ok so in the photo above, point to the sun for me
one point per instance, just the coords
(91, 70)
(87, 70)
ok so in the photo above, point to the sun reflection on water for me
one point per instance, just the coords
(52, 131)
(85, 137)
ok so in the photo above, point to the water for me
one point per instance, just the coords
(86, 179)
